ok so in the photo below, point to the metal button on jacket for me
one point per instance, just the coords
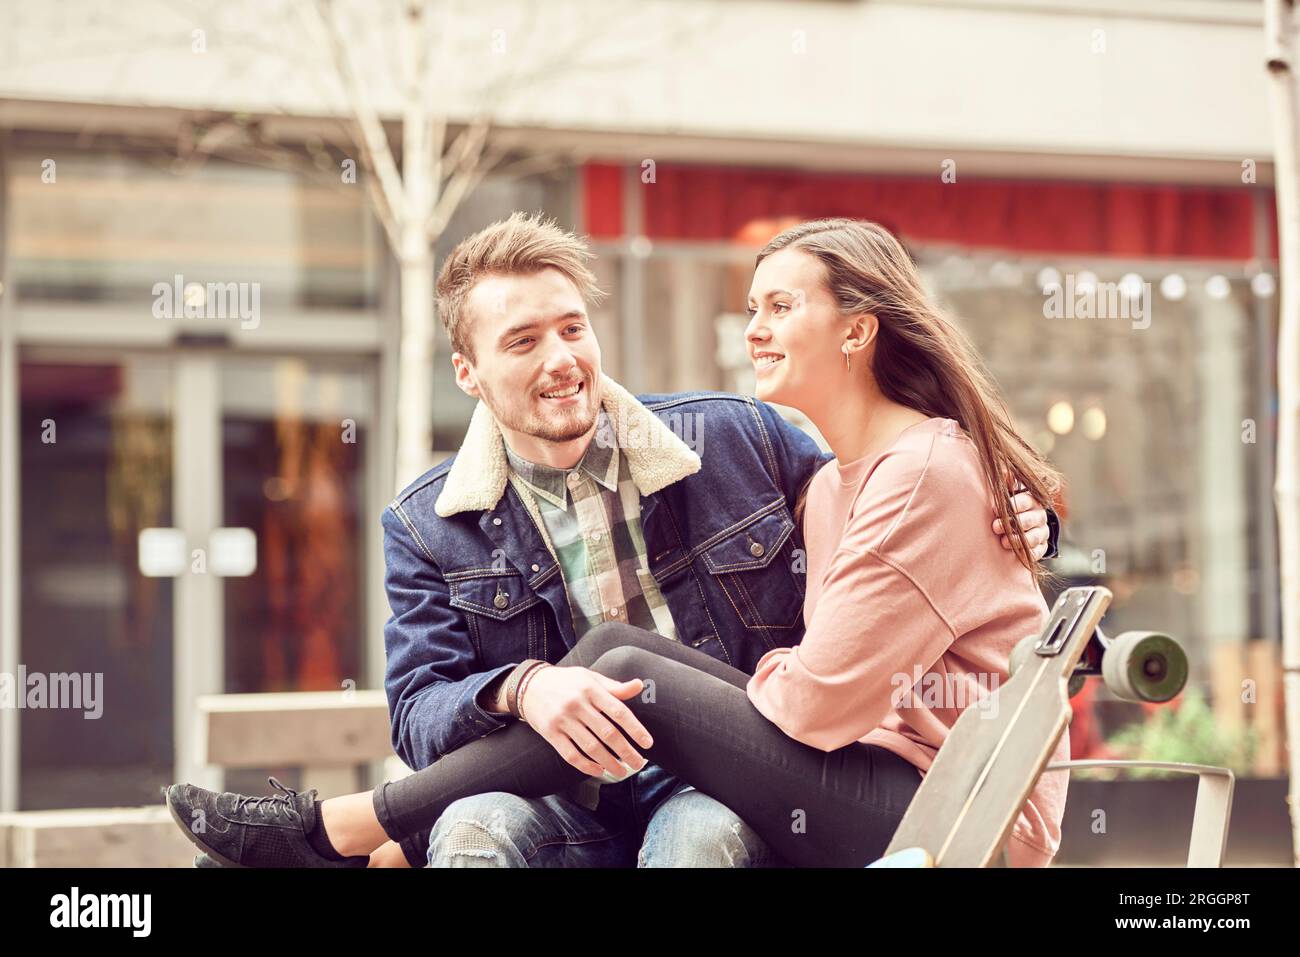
(756, 549)
(501, 600)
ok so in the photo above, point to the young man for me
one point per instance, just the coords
(572, 503)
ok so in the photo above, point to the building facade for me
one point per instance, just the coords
(197, 356)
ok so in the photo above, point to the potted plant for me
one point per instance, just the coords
(1183, 730)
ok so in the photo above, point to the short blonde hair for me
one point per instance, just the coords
(521, 245)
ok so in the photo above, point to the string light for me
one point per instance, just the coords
(1263, 285)
(1060, 418)
(1131, 285)
(1173, 287)
(1093, 423)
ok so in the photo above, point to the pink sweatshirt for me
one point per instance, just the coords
(908, 583)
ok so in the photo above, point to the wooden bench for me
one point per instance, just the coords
(331, 735)
(93, 837)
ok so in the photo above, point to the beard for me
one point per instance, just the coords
(551, 425)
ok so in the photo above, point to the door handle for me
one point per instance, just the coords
(164, 553)
(232, 552)
(161, 552)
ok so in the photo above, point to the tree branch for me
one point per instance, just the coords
(386, 193)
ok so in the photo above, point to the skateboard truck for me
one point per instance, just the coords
(1144, 666)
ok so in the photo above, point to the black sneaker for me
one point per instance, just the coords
(238, 831)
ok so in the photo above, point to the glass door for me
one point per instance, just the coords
(295, 441)
(94, 687)
(193, 522)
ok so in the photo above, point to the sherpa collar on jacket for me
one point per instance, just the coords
(656, 456)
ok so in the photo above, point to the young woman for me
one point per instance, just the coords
(911, 607)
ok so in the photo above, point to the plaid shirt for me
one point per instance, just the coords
(592, 514)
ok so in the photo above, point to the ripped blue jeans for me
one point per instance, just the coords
(652, 819)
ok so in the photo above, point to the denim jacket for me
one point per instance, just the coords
(474, 587)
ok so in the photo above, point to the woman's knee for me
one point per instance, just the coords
(610, 635)
(625, 662)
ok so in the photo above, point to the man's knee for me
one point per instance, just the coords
(691, 829)
(486, 830)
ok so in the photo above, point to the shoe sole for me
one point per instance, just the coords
(194, 838)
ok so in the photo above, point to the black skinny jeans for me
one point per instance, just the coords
(814, 808)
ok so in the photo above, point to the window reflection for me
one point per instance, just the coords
(294, 444)
(95, 469)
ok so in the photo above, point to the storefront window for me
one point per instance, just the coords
(1152, 416)
(95, 456)
(105, 227)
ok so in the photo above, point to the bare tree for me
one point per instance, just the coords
(405, 204)
(1281, 44)
(415, 204)
(321, 47)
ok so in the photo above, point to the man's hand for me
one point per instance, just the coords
(1033, 519)
(576, 709)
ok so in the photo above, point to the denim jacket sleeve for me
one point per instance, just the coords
(429, 680)
(797, 456)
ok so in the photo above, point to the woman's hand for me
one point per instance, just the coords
(576, 709)
(1033, 520)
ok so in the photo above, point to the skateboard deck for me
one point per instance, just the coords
(968, 801)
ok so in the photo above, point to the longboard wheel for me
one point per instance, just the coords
(1144, 666)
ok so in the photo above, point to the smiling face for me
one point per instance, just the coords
(537, 361)
(795, 331)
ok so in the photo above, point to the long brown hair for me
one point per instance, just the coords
(922, 359)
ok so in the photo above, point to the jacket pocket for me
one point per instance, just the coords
(753, 566)
(507, 621)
